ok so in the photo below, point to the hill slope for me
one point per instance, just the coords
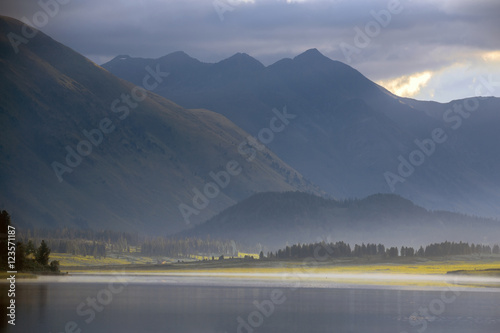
(349, 132)
(276, 219)
(81, 147)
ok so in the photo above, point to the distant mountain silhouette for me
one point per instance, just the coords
(276, 219)
(349, 133)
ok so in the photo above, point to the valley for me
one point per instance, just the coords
(249, 166)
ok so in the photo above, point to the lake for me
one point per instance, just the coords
(186, 304)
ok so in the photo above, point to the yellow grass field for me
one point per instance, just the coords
(414, 271)
(400, 271)
(297, 269)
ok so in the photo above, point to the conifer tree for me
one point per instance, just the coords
(42, 254)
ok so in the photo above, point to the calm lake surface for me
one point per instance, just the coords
(190, 304)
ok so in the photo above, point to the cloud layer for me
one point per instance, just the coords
(454, 41)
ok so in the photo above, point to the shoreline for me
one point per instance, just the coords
(442, 272)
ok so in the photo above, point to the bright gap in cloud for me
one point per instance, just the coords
(492, 56)
(407, 85)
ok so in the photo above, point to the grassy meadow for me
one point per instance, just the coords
(367, 270)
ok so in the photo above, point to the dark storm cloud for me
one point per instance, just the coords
(425, 35)
(151, 28)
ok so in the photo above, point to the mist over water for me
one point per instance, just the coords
(285, 280)
(252, 303)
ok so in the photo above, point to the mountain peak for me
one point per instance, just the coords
(122, 57)
(180, 58)
(241, 55)
(179, 55)
(311, 55)
(242, 61)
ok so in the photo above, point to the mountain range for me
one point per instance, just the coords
(82, 148)
(269, 221)
(159, 146)
(348, 135)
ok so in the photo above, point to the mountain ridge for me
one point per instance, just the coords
(272, 220)
(350, 133)
(80, 147)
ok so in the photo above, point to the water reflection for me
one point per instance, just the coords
(4, 303)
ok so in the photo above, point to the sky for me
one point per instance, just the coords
(424, 49)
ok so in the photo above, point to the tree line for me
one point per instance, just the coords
(100, 244)
(341, 249)
(174, 247)
(27, 256)
(106, 236)
(83, 242)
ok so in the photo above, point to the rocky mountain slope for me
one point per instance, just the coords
(80, 147)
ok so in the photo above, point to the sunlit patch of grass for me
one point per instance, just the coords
(198, 257)
(437, 268)
(243, 255)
